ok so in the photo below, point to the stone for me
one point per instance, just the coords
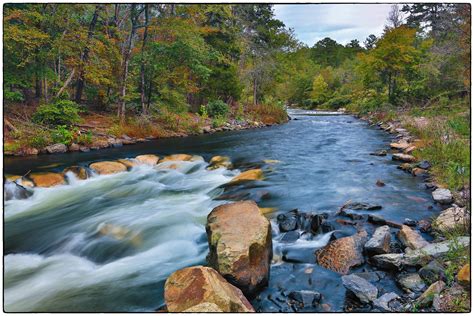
(129, 163)
(452, 218)
(409, 149)
(400, 145)
(79, 172)
(379, 220)
(409, 222)
(380, 183)
(13, 190)
(84, 149)
(305, 298)
(424, 164)
(107, 167)
(203, 289)
(373, 277)
(100, 143)
(115, 142)
(249, 175)
(128, 141)
(464, 275)
(406, 167)
(342, 254)
(418, 172)
(424, 225)
(411, 282)
(219, 162)
(150, 160)
(442, 196)
(74, 147)
(379, 153)
(357, 206)
(240, 245)
(379, 243)
(177, 157)
(365, 291)
(382, 303)
(389, 261)
(288, 221)
(411, 238)
(433, 250)
(427, 297)
(48, 179)
(432, 272)
(30, 151)
(204, 308)
(56, 149)
(403, 157)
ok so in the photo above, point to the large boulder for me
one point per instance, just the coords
(411, 238)
(202, 289)
(342, 254)
(379, 243)
(240, 245)
(150, 160)
(48, 179)
(107, 167)
(452, 218)
(442, 196)
(219, 162)
(389, 261)
(129, 163)
(365, 291)
(56, 149)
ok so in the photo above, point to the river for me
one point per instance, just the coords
(108, 243)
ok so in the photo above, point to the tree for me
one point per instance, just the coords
(370, 42)
(319, 91)
(394, 19)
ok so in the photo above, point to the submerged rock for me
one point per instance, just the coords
(48, 179)
(411, 238)
(342, 254)
(177, 157)
(357, 206)
(305, 298)
(379, 243)
(442, 196)
(107, 167)
(150, 160)
(219, 162)
(240, 245)
(379, 153)
(365, 291)
(202, 289)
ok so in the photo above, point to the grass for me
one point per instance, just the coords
(270, 113)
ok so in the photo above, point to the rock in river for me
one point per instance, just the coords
(47, 179)
(219, 162)
(177, 157)
(240, 245)
(442, 196)
(78, 171)
(150, 160)
(202, 289)
(288, 221)
(108, 167)
(342, 254)
(403, 157)
(379, 243)
(411, 238)
(365, 291)
(249, 175)
(358, 206)
(305, 298)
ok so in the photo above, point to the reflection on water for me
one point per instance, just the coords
(108, 243)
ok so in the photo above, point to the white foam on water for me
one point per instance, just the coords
(157, 213)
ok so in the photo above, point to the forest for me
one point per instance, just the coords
(147, 69)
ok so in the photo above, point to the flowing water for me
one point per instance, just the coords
(108, 243)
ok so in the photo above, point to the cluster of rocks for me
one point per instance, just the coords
(19, 187)
(107, 141)
(240, 253)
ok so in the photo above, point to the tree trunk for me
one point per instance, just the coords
(254, 91)
(85, 55)
(68, 80)
(142, 66)
(37, 86)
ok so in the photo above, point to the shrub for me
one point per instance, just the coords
(39, 140)
(203, 112)
(14, 96)
(61, 112)
(218, 121)
(85, 139)
(217, 108)
(63, 135)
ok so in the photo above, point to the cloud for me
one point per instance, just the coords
(341, 22)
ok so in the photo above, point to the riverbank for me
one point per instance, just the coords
(99, 130)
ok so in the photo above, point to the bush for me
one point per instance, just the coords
(218, 121)
(61, 112)
(63, 135)
(39, 140)
(217, 108)
(85, 139)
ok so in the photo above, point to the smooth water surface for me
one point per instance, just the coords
(108, 243)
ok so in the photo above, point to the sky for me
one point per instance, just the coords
(341, 22)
